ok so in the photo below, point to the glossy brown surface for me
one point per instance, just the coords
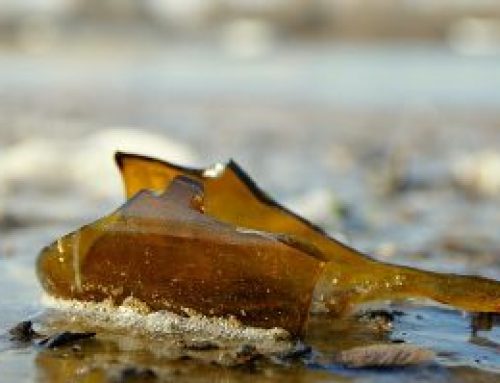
(230, 196)
(349, 277)
(164, 251)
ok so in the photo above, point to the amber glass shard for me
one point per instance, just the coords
(350, 277)
(339, 288)
(230, 196)
(164, 251)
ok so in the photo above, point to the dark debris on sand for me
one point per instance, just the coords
(65, 338)
(300, 351)
(23, 332)
(381, 320)
(246, 357)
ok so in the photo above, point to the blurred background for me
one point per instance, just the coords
(377, 119)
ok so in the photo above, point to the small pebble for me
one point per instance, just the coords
(23, 332)
(384, 355)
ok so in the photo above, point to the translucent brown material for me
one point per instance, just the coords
(211, 241)
(163, 250)
(349, 277)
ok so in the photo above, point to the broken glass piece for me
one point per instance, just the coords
(349, 276)
(163, 250)
(230, 196)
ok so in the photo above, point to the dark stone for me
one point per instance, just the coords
(65, 338)
(23, 332)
